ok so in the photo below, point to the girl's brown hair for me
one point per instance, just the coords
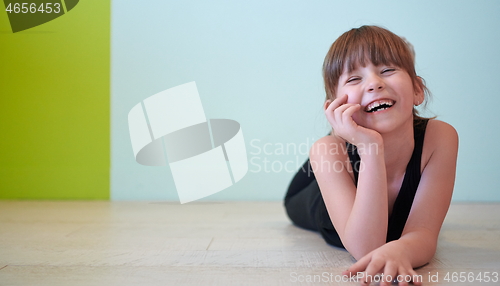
(369, 43)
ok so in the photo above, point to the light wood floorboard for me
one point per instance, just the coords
(218, 243)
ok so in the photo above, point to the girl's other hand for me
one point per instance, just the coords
(339, 114)
(392, 260)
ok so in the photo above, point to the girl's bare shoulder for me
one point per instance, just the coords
(439, 132)
(440, 137)
(329, 145)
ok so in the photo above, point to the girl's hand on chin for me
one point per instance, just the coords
(339, 114)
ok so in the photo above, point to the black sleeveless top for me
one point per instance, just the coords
(403, 202)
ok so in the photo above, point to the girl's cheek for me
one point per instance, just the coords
(353, 99)
(353, 95)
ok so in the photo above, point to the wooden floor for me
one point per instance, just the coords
(230, 243)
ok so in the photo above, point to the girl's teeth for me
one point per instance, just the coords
(371, 107)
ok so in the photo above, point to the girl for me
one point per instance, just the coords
(380, 184)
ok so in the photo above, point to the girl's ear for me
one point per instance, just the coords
(419, 92)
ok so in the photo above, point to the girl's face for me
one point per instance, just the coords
(385, 93)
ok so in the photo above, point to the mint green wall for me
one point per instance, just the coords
(259, 63)
(54, 93)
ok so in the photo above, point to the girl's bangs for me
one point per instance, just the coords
(377, 49)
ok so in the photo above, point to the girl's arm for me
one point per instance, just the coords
(360, 213)
(418, 242)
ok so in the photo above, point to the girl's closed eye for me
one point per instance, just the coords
(388, 70)
(352, 79)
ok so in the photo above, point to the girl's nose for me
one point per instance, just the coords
(375, 84)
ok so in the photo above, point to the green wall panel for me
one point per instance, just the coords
(54, 99)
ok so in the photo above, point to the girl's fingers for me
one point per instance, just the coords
(406, 276)
(335, 116)
(401, 276)
(358, 266)
(409, 276)
(347, 114)
(415, 277)
(339, 112)
(336, 103)
(372, 269)
(390, 273)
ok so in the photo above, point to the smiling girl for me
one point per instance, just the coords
(387, 202)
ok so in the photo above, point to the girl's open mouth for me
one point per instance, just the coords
(379, 105)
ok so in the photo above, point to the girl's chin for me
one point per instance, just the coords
(386, 126)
